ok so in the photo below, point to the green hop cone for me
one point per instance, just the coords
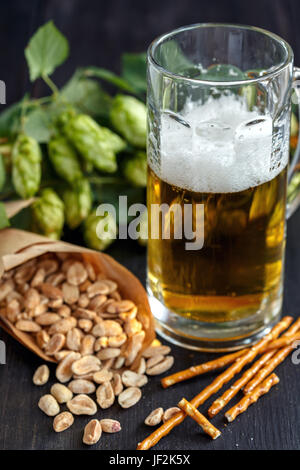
(78, 203)
(98, 145)
(64, 118)
(135, 169)
(99, 231)
(48, 214)
(26, 166)
(129, 117)
(64, 159)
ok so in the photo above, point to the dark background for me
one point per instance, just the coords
(99, 31)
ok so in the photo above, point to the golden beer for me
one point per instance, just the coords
(238, 271)
(218, 148)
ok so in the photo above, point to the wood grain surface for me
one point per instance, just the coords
(272, 423)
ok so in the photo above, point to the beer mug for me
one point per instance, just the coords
(219, 106)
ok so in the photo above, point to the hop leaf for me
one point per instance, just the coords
(47, 49)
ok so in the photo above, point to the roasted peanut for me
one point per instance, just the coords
(102, 376)
(87, 345)
(132, 379)
(154, 350)
(108, 353)
(170, 412)
(82, 405)
(61, 393)
(31, 298)
(129, 397)
(105, 395)
(63, 326)
(55, 344)
(92, 432)
(85, 325)
(49, 405)
(86, 365)
(46, 319)
(161, 367)
(73, 340)
(41, 375)
(28, 326)
(51, 291)
(117, 384)
(64, 369)
(82, 386)
(110, 425)
(42, 339)
(70, 293)
(63, 421)
(76, 274)
(155, 417)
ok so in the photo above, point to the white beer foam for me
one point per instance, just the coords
(226, 149)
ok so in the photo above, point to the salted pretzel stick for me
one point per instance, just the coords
(223, 361)
(215, 364)
(283, 341)
(222, 401)
(218, 383)
(269, 367)
(256, 393)
(191, 411)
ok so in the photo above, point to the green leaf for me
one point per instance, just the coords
(134, 70)
(10, 120)
(47, 49)
(87, 95)
(4, 222)
(109, 77)
(2, 172)
(38, 125)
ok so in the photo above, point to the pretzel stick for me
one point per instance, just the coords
(277, 359)
(191, 411)
(222, 401)
(283, 341)
(186, 374)
(269, 367)
(219, 381)
(256, 393)
(222, 361)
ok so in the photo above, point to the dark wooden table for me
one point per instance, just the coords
(273, 423)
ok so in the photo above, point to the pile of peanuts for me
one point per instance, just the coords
(78, 317)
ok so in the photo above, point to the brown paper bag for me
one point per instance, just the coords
(18, 246)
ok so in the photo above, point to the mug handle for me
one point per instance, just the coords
(294, 172)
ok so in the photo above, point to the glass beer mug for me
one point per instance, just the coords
(219, 104)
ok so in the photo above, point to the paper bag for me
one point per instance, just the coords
(18, 246)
